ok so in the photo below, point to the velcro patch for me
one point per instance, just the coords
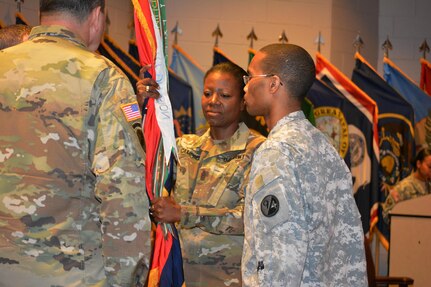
(131, 111)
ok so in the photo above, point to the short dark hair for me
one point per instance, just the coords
(80, 9)
(12, 35)
(420, 156)
(292, 64)
(230, 68)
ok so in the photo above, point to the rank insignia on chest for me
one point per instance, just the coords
(269, 205)
(131, 111)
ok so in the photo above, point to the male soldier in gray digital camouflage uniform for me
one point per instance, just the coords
(302, 226)
(73, 206)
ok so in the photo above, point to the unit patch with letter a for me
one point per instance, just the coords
(269, 205)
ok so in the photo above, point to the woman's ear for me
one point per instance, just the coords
(242, 106)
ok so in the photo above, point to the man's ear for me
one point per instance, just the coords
(275, 84)
(96, 22)
(95, 18)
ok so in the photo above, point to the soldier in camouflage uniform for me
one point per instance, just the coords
(302, 226)
(415, 185)
(73, 206)
(212, 171)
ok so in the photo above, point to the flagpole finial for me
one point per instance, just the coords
(252, 37)
(358, 43)
(18, 4)
(387, 45)
(424, 48)
(319, 41)
(217, 33)
(176, 30)
(283, 38)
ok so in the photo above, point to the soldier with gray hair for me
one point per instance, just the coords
(302, 225)
(73, 205)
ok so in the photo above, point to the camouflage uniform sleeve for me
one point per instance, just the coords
(285, 245)
(119, 167)
(221, 212)
(402, 188)
(215, 220)
(387, 207)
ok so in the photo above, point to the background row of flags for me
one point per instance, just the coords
(376, 123)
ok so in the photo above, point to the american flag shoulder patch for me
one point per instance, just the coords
(131, 111)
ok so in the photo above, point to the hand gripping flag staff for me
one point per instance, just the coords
(166, 264)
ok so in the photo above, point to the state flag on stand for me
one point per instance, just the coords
(111, 50)
(332, 113)
(20, 19)
(220, 57)
(187, 69)
(425, 83)
(396, 133)
(420, 101)
(251, 53)
(181, 95)
(363, 140)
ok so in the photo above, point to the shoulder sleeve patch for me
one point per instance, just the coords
(131, 111)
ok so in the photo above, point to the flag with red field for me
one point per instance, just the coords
(150, 27)
(425, 83)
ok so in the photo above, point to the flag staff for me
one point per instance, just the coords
(358, 43)
(176, 30)
(283, 38)
(18, 4)
(319, 41)
(217, 33)
(252, 37)
(387, 45)
(424, 48)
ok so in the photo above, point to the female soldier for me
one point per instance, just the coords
(208, 198)
(415, 185)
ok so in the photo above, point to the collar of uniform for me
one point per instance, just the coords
(55, 31)
(236, 142)
(294, 116)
